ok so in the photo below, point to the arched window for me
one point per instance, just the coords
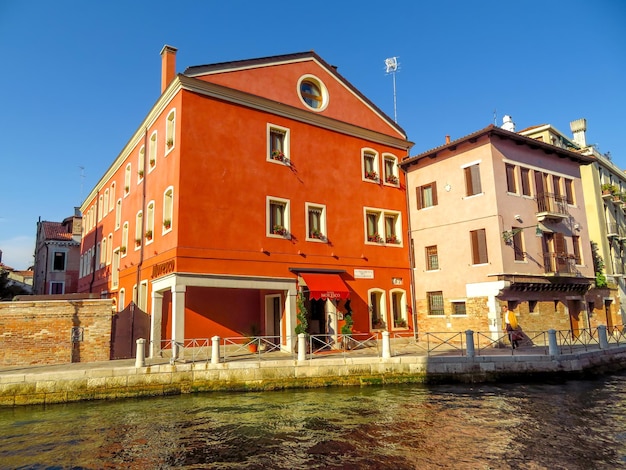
(170, 131)
(152, 151)
(138, 229)
(141, 164)
(150, 222)
(124, 246)
(168, 209)
(378, 309)
(127, 179)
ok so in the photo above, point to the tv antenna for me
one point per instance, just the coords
(391, 67)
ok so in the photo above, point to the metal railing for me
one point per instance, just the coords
(559, 263)
(486, 343)
(552, 204)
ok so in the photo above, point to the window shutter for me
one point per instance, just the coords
(434, 191)
(420, 202)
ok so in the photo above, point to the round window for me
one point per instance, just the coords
(313, 93)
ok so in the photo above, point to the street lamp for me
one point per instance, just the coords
(508, 235)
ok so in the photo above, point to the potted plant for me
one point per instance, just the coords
(375, 238)
(317, 234)
(279, 230)
(371, 175)
(149, 234)
(137, 241)
(609, 189)
(123, 250)
(252, 338)
(140, 173)
(126, 189)
(167, 223)
(392, 239)
(170, 142)
(152, 162)
(400, 323)
(277, 155)
(393, 179)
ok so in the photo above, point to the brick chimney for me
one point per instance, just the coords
(579, 127)
(168, 66)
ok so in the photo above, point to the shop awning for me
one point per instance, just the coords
(325, 286)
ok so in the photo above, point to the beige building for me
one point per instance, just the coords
(604, 186)
(498, 219)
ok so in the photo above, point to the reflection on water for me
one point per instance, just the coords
(573, 425)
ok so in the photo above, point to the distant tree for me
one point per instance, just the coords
(7, 289)
(598, 266)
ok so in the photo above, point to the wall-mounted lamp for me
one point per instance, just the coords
(508, 235)
(576, 226)
(518, 217)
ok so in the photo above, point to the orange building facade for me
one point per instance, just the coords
(246, 184)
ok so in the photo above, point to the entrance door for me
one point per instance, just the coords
(576, 319)
(273, 315)
(609, 317)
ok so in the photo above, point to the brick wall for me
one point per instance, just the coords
(39, 332)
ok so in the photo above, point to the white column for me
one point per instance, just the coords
(215, 350)
(386, 345)
(301, 347)
(469, 340)
(604, 341)
(178, 320)
(553, 347)
(140, 356)
(290, 318)
(156, 320)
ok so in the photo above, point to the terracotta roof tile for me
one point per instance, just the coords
(56, 231)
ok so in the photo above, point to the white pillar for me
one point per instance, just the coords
(469, 341)
(301, 347)
(553, 348)
(386, 345)
(140, 357)
(215, 350)
(156, 320)
(604, 341)
(178, 320)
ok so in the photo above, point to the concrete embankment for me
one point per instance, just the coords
(121, 379)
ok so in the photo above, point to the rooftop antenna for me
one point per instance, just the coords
(391, 66)
(82, 179)
(495, 117)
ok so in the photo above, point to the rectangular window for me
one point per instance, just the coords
(518, 243)
(479, 246)
(569, 191)
(372, 227)
(370, 167)
(525, 176)
(278, 217)
(532, 306)
(576, 243)
(458, 308)
(432, 258)
(472, 180)
(58, 261)
(390, 171)
(390, 229)
(435, 303)
(316, 222)
(382, 226)
(511, 187)
(57, 288)
(277, 144)
(426, 195)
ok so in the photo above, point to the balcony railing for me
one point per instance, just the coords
(612, 230)
(552, 205)
(559, 263)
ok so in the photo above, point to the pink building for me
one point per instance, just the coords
(498, 219)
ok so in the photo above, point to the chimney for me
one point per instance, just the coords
(508, 124)
(579, 127)
(168, 66)
(447, 139)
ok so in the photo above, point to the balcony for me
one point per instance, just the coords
(551, 206)
(559, 264)
(612, 230)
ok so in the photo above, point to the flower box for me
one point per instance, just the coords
(149, 234)
(167, 223)
(138, 242)
(376, 238)
(279, 230)
(277, 155)
(317, 235)
(170, 142)
(152, 162)
(392, 239)
(123, 250)
(371, 175)
(392, 179)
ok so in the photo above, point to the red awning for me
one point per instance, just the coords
(325, 286)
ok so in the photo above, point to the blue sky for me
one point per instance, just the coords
(79, 76)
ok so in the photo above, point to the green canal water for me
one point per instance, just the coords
(570, 425)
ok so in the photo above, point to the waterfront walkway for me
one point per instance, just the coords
(397, 362)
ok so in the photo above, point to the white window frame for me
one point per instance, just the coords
(121, 300)
(138, 230)
(152, 151)
(115, 269)
(112, 197)
(403, 308)
(118, 214)
(382, 306)
(141, 164)
(375, 165)
(62, 283)
(286, 215)
(324, 232)
(325, 98)
(286, 144)
(381, 217)
(127, 178)
(170, 131)
(168, 208)
(124, 239)
(65, 255)
(149, 222)
(142, 301)
(395, 171)
(105, 205)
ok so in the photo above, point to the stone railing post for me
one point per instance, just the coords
(215, 350)
(301, 347)
(386, 345)
(140, 355)
(604, 340)
(553, 348)
(469, 340)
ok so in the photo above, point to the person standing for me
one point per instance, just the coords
(510, 321)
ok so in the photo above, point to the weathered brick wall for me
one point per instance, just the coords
(39, 332)
(475, 319)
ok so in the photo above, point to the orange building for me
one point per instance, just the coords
(247, 183)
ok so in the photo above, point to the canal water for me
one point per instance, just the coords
(568, 425)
